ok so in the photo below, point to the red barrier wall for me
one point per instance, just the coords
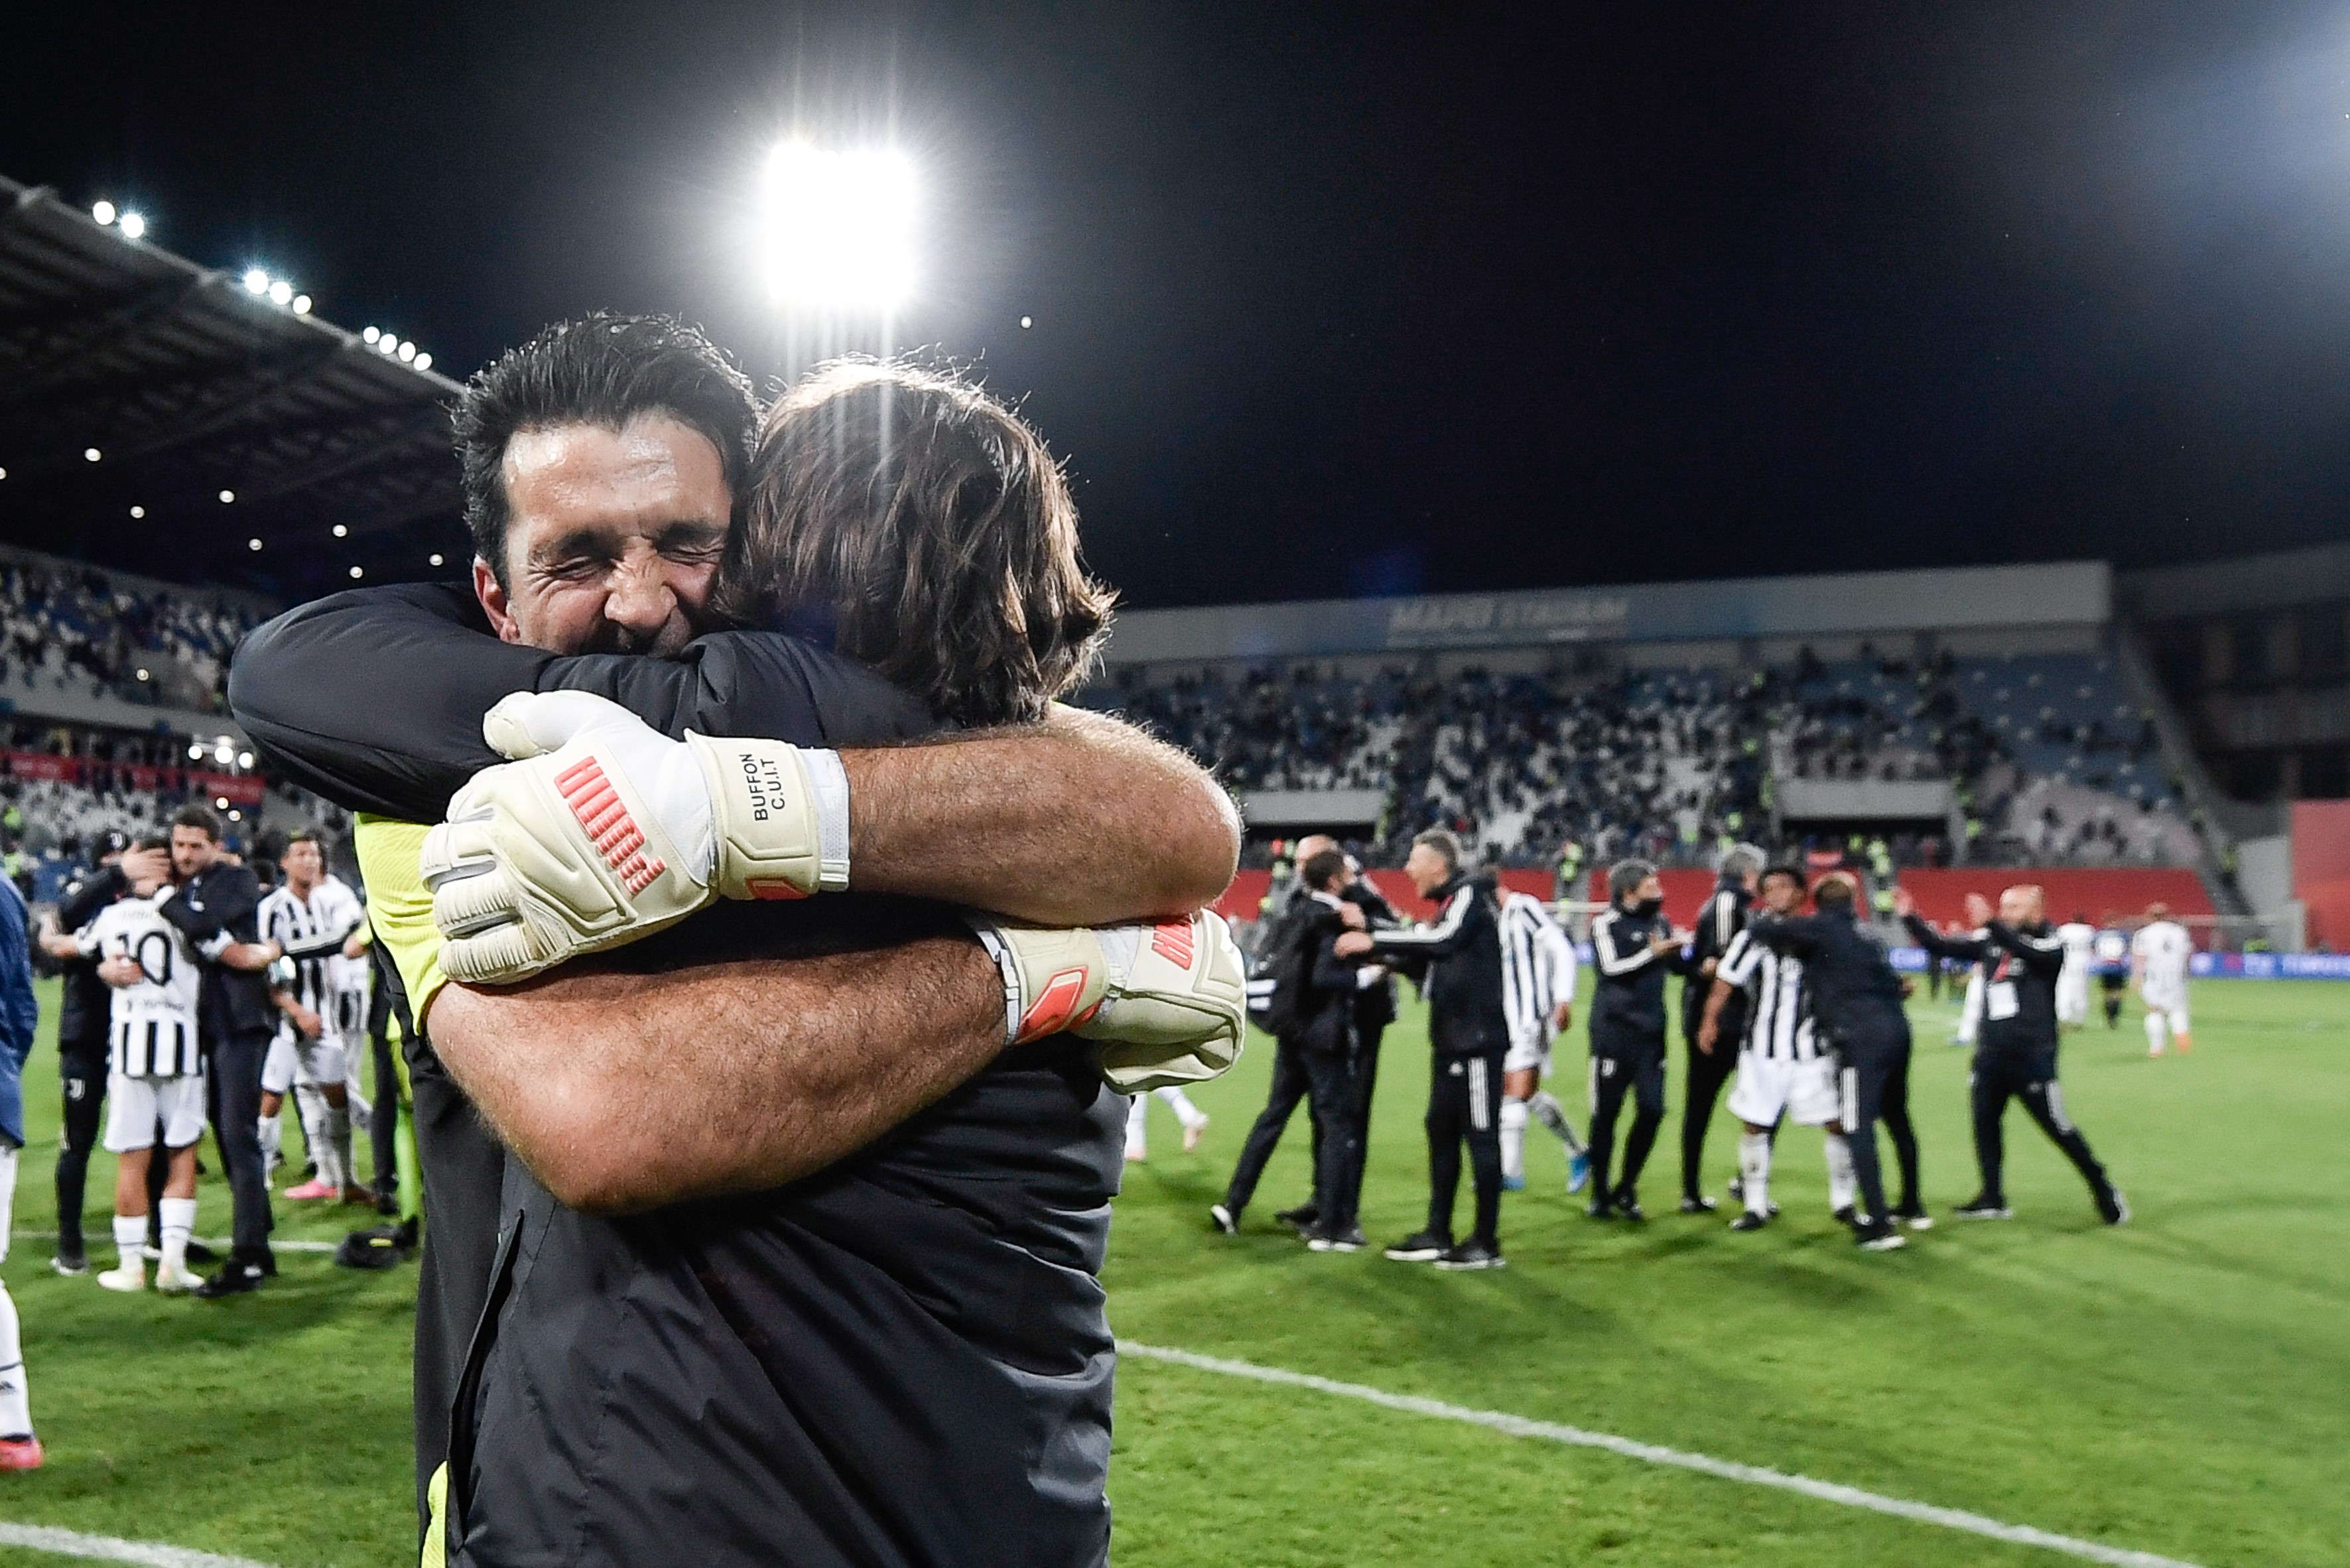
(2321, 869)
(2105, 896)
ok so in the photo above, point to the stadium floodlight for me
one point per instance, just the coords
(425, 361)
(195, 754)
(143, 675)
(1027, 322)
(138, 511)
(434, 559)
(281, 293)
(407, 351)
(222, 754)
(341, 530)
(220, 801)
(4, 473)
(91, 454)
(103, 212)
(253, 544)
(256, 281)
(134, 226)
(244, 759)
(359, 571)
(837, 229)
(369, 334)
(301, 305)
(228, 498)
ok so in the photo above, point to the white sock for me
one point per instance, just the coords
(1514, 1137)
(179, 1215)
(2157, 1033)
(1551, 1115)
(335, 1164)
(1841, 1186)
(1755, 1171)
(129, 1242)
(1176, 1100)
(313, 1107)
(1138, 1128)
(16, 1408)
(273, 1136)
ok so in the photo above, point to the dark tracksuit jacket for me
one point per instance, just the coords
(2026, 959)
(1721, 919)
(901, 1360)
(1462, 948)
(1627, 1000)
(1855, 996)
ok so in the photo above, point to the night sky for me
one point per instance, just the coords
(1357, 299)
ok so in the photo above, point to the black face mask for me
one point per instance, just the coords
(1645, 907)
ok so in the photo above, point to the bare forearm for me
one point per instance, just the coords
(623, 1092)
(1079, 821)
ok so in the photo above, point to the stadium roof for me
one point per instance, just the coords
(186, 386)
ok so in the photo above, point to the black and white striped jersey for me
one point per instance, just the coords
(312, 931)
(1779, 1003)
(151, 1026)
(1537, 970)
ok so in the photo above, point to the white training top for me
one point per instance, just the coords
(1537, 970)
(153, 1023)
(2161, 950)
(312, 931)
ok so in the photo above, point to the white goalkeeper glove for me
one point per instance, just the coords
(1165, 1000)
(604, 831)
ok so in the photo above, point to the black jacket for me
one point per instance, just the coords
(1855, 992)
(901, 1360)
(217, 905)
(1375, 1004)
(1628, 996)
(2021, 962)
(1462, 948)
(1331, 983)
(1723, 917)
(87, 1004)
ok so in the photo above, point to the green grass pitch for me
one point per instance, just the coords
(2177, 1386)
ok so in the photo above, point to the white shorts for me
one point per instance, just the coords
(2172, 1005)
(134, 1107)
(1522, 1056)
(1769, 1087)
(2072, 997)
(312, 1063)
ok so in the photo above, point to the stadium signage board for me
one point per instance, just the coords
(1473, 619)
(238, 789)
(2269, 966)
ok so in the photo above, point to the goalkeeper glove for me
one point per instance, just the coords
(604, 831)
(1165, 1000)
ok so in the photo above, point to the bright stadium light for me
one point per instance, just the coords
(253, 544)
(281, 293)
(244, 759)
(143, 675)
(359, 571)
(369, 334)
(836, 228)
(91, 454)
(433, 558)
(138, 511)
(1027, 322)
(301, 305)
(220, 801)
(425, 361)
(103, 212)
(407, 351)
(228, 498)
(195, 754)
(134, 226)
(256, 281)
(341, 529)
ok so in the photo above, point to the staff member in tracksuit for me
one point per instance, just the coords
(1721, 920)
(2016, 1048)
(1856, 1005)
(1633, 947)
(1469, 1030)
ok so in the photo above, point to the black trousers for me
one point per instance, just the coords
(83, 1066)
(1701, 1087)
(232, 1083)
(1624, 1062)
(1465, 1105)
(1291, 1084)
(1344, 1188)
(2029, 1076)
(1873, 1072)
(383, 1123)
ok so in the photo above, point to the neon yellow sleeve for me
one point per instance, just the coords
(399, 907)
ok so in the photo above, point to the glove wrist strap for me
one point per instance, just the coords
(1007, 966)
(780, 814)
(829, 781)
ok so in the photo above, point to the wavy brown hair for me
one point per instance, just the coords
(916, 523)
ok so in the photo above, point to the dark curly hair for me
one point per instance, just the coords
(604, 371)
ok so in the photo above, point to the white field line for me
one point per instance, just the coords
(218, 1243)
(1650, 1453)
(108, 1549)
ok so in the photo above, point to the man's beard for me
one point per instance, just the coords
(610, 636)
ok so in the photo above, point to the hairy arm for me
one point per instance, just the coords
(1079, 821)
(618, 1093)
